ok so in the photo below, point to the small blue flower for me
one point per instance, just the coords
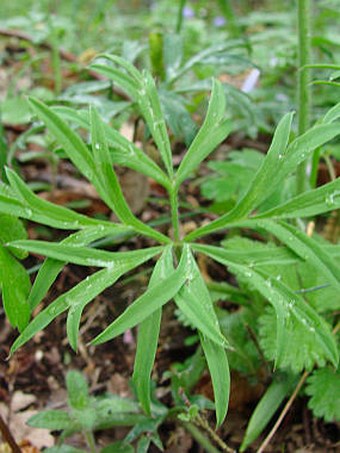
(188, 12)
(219, 21)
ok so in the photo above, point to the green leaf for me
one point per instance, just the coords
(304, 246)
(12, 229)
(219, 371)
(153, 299)
(332, 115)
(73, 145)
(213, 131)
(323, 199)
(118, 447)
(21, 201)
(264, 183)
(77, 390)
(288, 305)
(252, 256)
(15, 286)
(123, 152)
(304, 145)
(308, 340)
(322, 387)
(143, 90)
(194, 301)
(108, 184)
(76, 299)
(50, 268)
(150, 107)
(266, 408)
(84, 256)
(52, 419)
(148, 333)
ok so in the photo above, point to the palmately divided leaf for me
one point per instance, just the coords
(153, 299)
(76, 300)
(264, 183)
(123, 152)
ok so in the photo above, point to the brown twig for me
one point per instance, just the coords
(8, 437)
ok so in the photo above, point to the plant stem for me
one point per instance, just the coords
(304, 95)
(180, 16)
(200, 438)
(90, 441)
(174, 214)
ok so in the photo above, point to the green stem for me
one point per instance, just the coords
(180, 16)
(200, 438)
(174, 214)
(304, 95)
(90, 441)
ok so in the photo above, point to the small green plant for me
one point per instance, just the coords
(176, 275)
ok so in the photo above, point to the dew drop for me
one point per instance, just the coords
(280, 156)
(28, 213)
(330, 200)
(97, 146)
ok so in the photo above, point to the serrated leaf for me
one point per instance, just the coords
(52, 419)
(267, 407)
(15, 286)
(322, 387)
(213, 131)
(288, 305)
(323, 199)
(77, 390)
(148, 333)
(304, 343)
(220, 376)
(76, 299)
(153, 299)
